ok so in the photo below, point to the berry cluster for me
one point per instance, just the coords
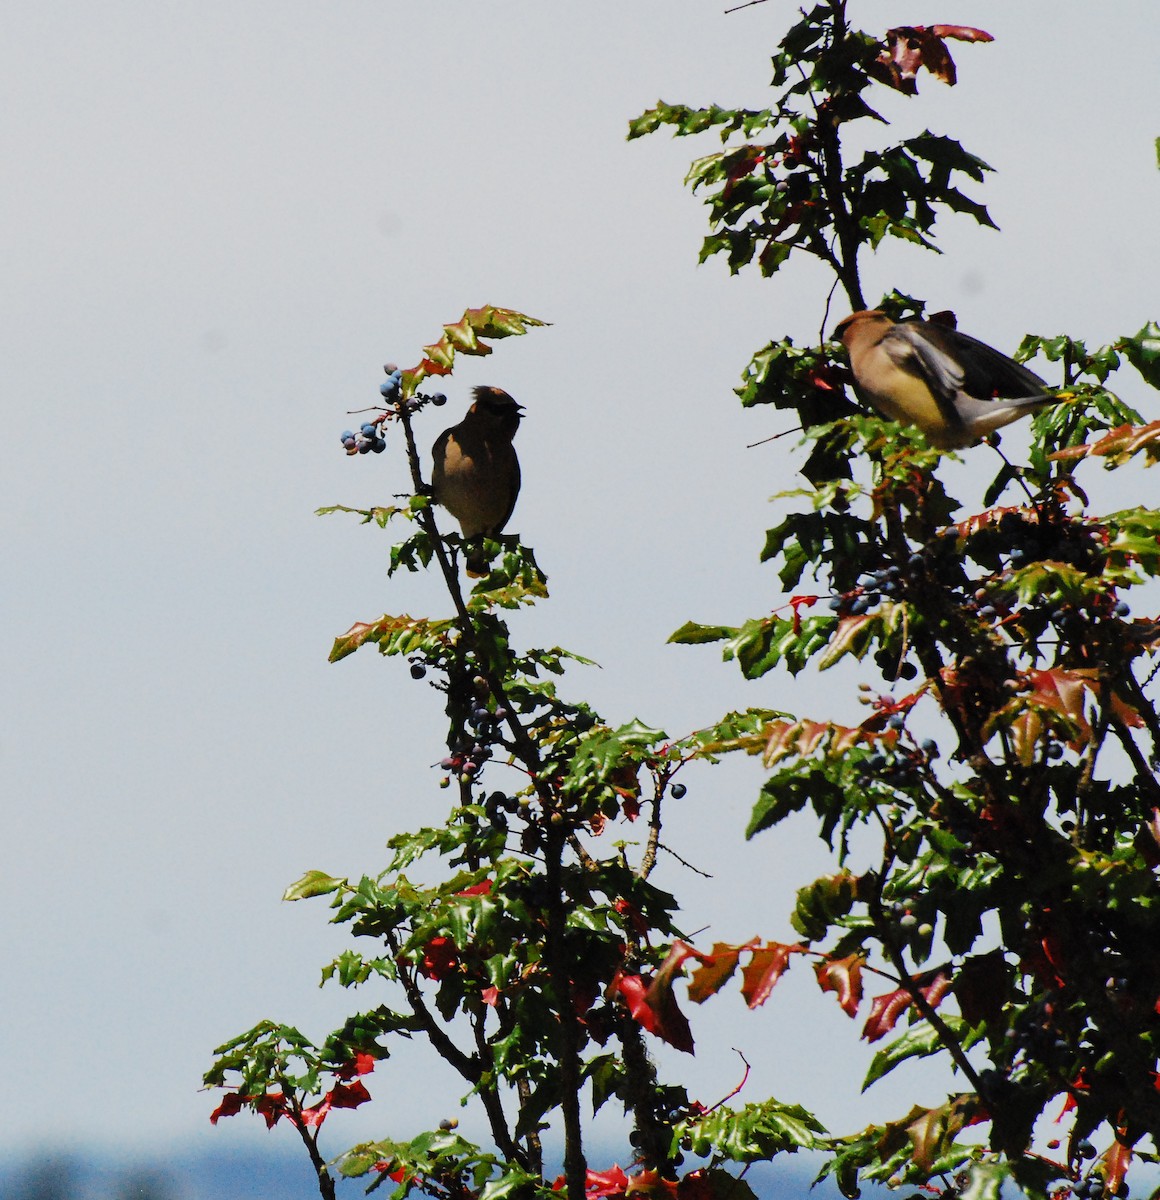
(369, 438)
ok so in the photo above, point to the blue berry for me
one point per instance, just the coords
(678, 790)
(367, 429)
(418, 670)
(347, 436)
(378, 445)
(390, 387)
(390, 368)
(1121, 608)
(364, 447)
(439, 399)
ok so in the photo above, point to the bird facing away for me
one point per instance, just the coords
(476, 475)
(955, 388)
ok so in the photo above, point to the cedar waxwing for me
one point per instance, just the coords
(954, 388)
(476, 476)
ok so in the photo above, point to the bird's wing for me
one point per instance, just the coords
(514, 481)
(911, 348)
(986, 373)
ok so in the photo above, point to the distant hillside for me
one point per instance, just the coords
(262, 1175)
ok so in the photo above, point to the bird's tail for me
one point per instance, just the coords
(985, 416)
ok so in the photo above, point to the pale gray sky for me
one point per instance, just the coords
(217, 221)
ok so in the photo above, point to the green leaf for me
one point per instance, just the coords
(313, 883)
(692, 634)
(984, 1180)
(754, 1133)
(1143, 352)
(921, 1041)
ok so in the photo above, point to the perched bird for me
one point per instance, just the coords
(954, 388)
(476, 476)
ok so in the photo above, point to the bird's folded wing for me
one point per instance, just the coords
(985, 372)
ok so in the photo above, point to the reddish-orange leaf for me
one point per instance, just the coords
(962, 33)
(885, 1010)
(362, 1064)
(1117, 1159)
(884, 1013)
(232, 1104)
(600, 1183)
(764, 969)
(313, 1116)
(440, 958)
(348, 1095)
(1118, 444)
(650, 1183)
(654, 1007)
(715, 971)
(843, 977)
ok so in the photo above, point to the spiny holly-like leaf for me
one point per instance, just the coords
(843, 977)
(764, 969)
(736, 731)
(380, 515)
(753, 1133)
(313, 883)
(652, 1003)
(823, 902)
(920, 1042)
(931, 1132)
(715, 970)
(1143, 352)
(464, 335)
(909, 48)
(886, 1009)
(1116, 1161)
(394, 635)
(801, 738)
(1118, 445)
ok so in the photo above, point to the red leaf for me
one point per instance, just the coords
(490, 996)
(314, 1115)
(362, 1064)
(885, 1010)
(763, 971)
(711, 976)
(440, 958)
(628, 910)
(651, 1183)
(600, 1183)
(1116, 1162)
(884, 1014)
(843, 977)
(654, 1007)
(272, 1106)
(962, 33)
(480, 889)
(232, 1104)
(348, 1095)
(909, 48)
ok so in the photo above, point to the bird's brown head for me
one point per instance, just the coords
(495, 406)
(858, 320)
